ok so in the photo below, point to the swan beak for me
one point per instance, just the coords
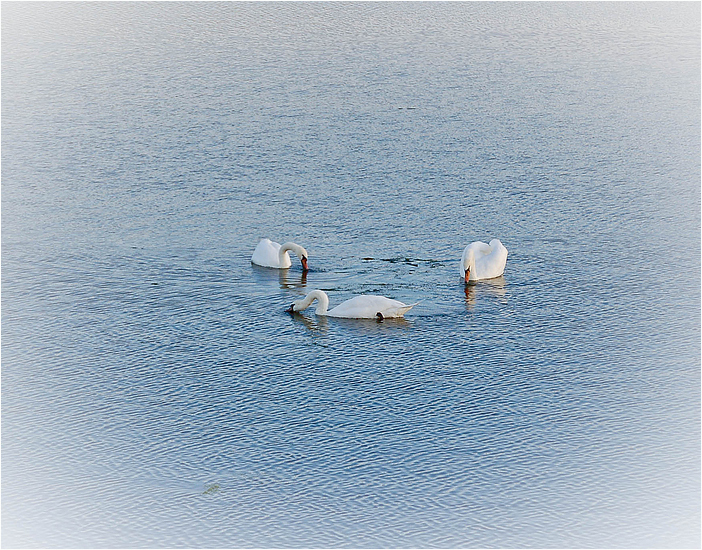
(290, 309)
(467, 276)
(303, 260)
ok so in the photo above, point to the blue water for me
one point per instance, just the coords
(154, 392)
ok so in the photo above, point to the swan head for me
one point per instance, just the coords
(467, 264)
(299, 251)
(295, 307)
(302, 254)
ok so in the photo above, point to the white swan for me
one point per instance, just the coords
(271, 254)
(359, 307)
(483, 261)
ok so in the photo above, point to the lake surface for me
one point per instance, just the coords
(156, 394)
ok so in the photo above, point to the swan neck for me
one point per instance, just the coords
(295, 248)
(469, 260)
(322, 301)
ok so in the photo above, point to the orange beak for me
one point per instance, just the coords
(303, 260)
(467, 275)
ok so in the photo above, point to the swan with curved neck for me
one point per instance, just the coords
(483, 261)
(271, 254)
(359, 307)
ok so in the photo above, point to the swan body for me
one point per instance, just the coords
(359, 307)
(483, 261)
(271, 254)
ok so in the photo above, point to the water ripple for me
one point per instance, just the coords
(154, 391)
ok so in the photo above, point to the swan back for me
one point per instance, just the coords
(268, 254)
(368, 307)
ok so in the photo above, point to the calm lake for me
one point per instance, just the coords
(156, 394)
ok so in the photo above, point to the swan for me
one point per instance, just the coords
(271, 254)
(359, 307)
(483, 261)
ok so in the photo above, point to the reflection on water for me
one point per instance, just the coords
(493, 288)
(287, 278)
(319, 324)
(316, 324)
(374, 326)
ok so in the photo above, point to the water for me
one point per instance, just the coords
(154, 392)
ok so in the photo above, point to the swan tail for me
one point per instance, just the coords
(400, 311)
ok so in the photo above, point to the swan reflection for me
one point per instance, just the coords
(373, 326)
(286, 278)
(320, 324)
(292, 280)
(494, 288)
(315, 325)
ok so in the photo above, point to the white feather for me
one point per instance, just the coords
(359, 307)
(270, 254)
(485, 261)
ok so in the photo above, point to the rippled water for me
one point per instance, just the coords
(154, 392)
